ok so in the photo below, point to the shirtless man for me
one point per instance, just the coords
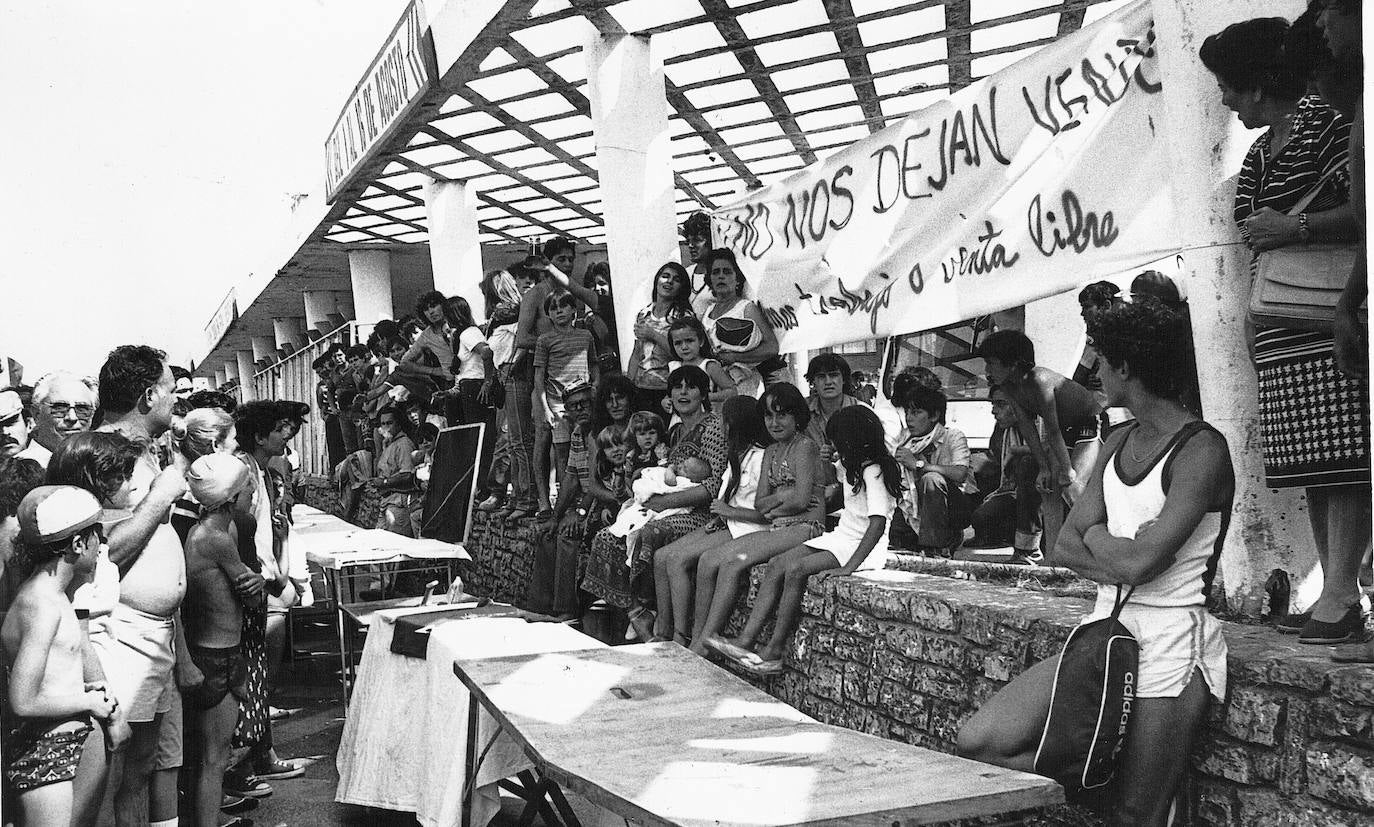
(135, 643)
(52, 747)
(213, 614)
(1066, 446)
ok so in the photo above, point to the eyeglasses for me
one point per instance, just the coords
(578, 405)
(61, 409)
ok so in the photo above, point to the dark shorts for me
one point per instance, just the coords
(225, 671)
(35, 756)
(1087, 430)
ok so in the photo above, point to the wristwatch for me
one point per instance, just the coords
(1304, 234)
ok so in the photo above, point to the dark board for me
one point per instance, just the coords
(447, 511)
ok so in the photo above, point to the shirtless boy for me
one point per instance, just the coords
(213, 616)
(53, 746)
(1067, 445)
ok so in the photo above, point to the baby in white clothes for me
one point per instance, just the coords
(670, 479)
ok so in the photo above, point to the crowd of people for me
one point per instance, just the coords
(147, 577)
(148, 565)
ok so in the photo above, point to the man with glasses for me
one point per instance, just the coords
(63, 404)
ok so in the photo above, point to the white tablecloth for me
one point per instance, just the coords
(405, 739)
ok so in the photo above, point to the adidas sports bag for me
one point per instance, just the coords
(1090, 705)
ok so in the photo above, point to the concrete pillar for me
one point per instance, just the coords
(231, 370)
(246, 371)
(454, 251)
(1055, 326)
(220, 378)
(289, 334)
(1269, 529)
(369, 271)
(630, 122)
(264, 350)
(319, 306)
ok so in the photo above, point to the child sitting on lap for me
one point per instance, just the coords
(667, 480)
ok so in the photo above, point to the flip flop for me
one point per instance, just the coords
(730, 650)
(762, 668)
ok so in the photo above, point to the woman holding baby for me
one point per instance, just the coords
(700, 434)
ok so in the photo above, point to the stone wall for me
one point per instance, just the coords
(909, 655)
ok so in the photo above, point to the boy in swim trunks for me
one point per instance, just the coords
(52, 744)
(213, 617)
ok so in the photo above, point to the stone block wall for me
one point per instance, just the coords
(909, 655)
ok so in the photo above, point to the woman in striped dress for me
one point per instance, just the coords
(1314, 420)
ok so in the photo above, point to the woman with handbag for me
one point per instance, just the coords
(1152, 519)
(1293, 190)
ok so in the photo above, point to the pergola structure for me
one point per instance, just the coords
(754, 91)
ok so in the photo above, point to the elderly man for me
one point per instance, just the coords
(63, 404)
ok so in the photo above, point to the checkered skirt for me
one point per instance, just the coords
(1314, 422)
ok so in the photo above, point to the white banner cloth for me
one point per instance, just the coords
(1027, 183)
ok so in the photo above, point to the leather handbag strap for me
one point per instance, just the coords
(1316, 188)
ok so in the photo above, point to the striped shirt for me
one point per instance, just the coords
(1318, 145)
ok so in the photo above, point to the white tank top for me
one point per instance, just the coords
(1130, 504)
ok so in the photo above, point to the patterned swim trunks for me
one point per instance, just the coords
(35, 756)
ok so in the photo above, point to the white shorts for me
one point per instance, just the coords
(135, 651)
(1173, 643)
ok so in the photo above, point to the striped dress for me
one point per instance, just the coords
(1314, 422)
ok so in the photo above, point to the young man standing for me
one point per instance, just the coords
(213, 615)
(429, 359)
(136, 642)
(329, 411)
(264, 429)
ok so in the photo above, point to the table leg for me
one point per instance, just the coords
(345, 650)
(470, 765)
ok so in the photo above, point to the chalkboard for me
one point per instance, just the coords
(447, 511)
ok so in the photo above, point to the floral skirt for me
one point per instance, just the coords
(252, 725)
(609, 578)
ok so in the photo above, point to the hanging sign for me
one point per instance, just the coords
(392, 87)
(1022, 185)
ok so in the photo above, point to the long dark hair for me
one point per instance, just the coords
(857, 435)
(459, 314)
(611, 383)
(682, 303)
(743, 430)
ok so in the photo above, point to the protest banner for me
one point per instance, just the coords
(1030, 182)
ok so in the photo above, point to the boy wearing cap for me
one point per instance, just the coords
(213, 618)
(51, 745)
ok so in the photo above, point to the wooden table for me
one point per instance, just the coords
(660, 736)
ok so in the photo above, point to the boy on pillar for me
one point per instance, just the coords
(697, 231)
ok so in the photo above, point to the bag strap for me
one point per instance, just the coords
(1121, 601)
(1312, 194)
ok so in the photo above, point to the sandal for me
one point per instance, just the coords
(762, 668)
(730, 650)
(642, 621)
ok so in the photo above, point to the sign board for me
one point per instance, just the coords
(1027, 183)
(447, 513)
(396, 82)
(219, 323)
